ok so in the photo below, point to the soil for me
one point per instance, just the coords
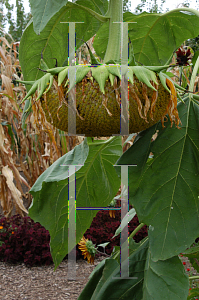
(22, 282)
(17, 281)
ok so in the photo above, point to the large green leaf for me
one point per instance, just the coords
(165, 279)
(54, 37)
(164, 191)
(96, 185)
(155, 36)
(43, 11)
(153, 280)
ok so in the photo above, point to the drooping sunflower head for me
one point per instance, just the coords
(88, 249)
(112, 211)
(95, 94)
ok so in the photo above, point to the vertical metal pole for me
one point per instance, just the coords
(124, 130)
(124, 114)
(124, 117)
(124, 246)
(71, 77)
(71, 169)
(72, 224)
(124, 236)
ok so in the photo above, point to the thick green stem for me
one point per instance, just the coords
(116, 15)
(193, 277)
(103, 253)
(193, 76)
(136, 230)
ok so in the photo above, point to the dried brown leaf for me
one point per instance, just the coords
(104, 103)
(172, 106)
(147, 102)
(3, 56)
(153, 100)
(117, 94)
(15, 48)
(26, 173)
(47, 150)
(2, 139)
(7, 83)
(137, 99)
(25, 182)
(5, 41)
(6, 199)
(16, 194)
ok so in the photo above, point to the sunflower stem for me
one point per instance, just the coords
(136, 230)
(115, 13)
(193, 277)
(181, 71)
(194, 74)
(103, 253)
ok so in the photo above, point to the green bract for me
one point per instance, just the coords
(99, 73)
(97, 94)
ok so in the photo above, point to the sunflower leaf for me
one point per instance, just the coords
(165, 191)
(50, 191)
(154, 36)
(144, 277)
(53, 37)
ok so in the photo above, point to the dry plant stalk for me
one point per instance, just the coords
(27, 150)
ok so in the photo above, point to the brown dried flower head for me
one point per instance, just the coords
(183, 56)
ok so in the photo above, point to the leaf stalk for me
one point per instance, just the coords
(136, 230)
(194, 74)
(193, 277)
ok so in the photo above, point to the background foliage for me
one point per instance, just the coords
(16, 23)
